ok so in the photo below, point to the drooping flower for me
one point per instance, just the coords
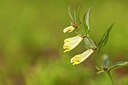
(81, 57)
(71, 43)
(68, 29)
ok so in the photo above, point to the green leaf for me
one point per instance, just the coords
(104, 38)
(70, 14)
(88, 18)
(119, 65)
(86, 21)
(77, 16)
(85, 28)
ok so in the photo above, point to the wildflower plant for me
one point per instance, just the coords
(82, 29)
(83, 34)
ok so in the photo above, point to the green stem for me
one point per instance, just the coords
(110, 77)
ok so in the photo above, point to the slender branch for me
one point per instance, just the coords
(110, 77)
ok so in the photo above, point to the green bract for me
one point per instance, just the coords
(89, 43)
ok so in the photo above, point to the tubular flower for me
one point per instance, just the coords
(81, 57)
(71, 43)
(68, 29)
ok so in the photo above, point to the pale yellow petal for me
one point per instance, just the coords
(81, 57)
(71, 43)
(70, 39)
(68, 29)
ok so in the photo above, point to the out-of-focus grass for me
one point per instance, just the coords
(31, 41)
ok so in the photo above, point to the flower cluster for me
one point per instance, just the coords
(82, 35)
(82, 28)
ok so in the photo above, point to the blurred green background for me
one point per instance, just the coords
(31, 41)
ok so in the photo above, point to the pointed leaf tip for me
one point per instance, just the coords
(70, 14)
(86, 21)
(87, 18)
(105, 37)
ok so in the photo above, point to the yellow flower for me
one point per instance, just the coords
(81, 57)
(71, 43)
(68, 29)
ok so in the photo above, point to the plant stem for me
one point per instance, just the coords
(110, 77)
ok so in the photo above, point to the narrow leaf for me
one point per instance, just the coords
(77, 16)
(119, 65)
(85, 28)
(70, 14)
(105, 37)
(86, 21)
(88, 18)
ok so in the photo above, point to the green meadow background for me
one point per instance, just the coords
(31, 42)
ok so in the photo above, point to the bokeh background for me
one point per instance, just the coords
(31, 41)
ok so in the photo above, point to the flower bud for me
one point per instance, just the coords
(68, 29)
